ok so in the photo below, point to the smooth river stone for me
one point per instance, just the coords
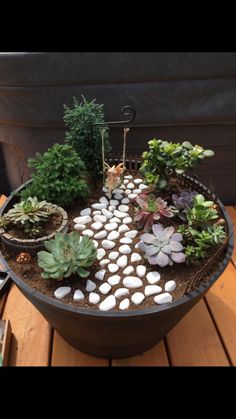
(111, 226)
(123, 228)
(113, 255)
(120, 214)
(100, 274)
(104, 189)
(163, 298)
(113, 235)
(103, 200)
(122, 261)
(125, 201)
(100, 218)
(100, 253)
(152, 289)
(107, 214)
(108, 303)
(104, 262)
(137, 298)
(114, 280)
(123, 208)
(118, 196)
(141, 270)
(61, 292)
(117, 191)
(132, 195)
(128, 177)
(153, 277)
(82, 220)
(137, 191)
(127, 220)
(120, 292)
(97, 212)
(135, 257)
(111, 208)
(125, 249)
(78, 295)
(79, 227)
(99, 206)
(108, 244)
(115, 220)
(94, 298)
(95, 243)
(122, 187)
(124, 304)
(126, 240)
(126, 181)
(104, 288)
(127, 191)
(101, 234)
(128, 270)
(130, 185)
(90, 285)
(88, 232)
(131, 234)
(132, 282)
(86, 211)
(97, 226)
(114, 202)
(142, 186)
(170, 286)
(138, 181)
(113, 267)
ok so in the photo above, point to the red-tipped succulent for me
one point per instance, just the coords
(151, 209)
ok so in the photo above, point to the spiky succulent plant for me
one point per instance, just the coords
(202, 212)
(29, 211)
(182, 202)
(151, 209)
(163, 247)
(67, 254)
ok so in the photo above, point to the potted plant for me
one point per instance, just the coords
(140, 252)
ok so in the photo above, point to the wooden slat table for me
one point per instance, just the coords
(206, 336)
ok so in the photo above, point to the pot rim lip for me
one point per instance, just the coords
(59, 305)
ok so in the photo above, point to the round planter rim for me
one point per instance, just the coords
(59, 305)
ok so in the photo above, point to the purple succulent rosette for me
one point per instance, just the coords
(150, 210)
(182, 202)
(163, 247)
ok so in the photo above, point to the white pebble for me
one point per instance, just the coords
(126, 240)
(122, 187)
(100, 218)
(111, 208)
(107, 214)
(100, 274)
(88, 232)
(117, 191)
(170, 286)
(113, 235)
(135, 257)
(128, 177)
(137, 245)
(97, 212)
(94, 298)
(113, 255)
(123, 208)
(104, 200)
(101, 234)
(108, 244)
(132, 282)
(125, 201)
(79, 227)
(61, 292)
(126, 181)
(129, 270)
(137, 298)
(114, 280)
(82, 220)
(131, 234)
(153, 277)
(127, 191)
(137, 191)
(99, 206)
(104, 262)
(113, 267)
(132, 195)
(124, 304)
(108, 303)
(125, 249)
(111, 226)
(100, 253)
(104, 189)
(114, 202)
(163, 298)
(118, 196)
(141, 270)
(97, 225)
(120, 292)
(130, 186)
(78, 295)
(120, 214)
(142, 186)
(104, 288)
(90, 286)
(152, 289)
(108, 195)
(122, 261)
(115, 220)
(127, 220)
(95, 243)
(86, 211)
(138, 181)
(123, 228)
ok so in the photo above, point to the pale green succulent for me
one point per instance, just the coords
(29, 211)
(67, 254)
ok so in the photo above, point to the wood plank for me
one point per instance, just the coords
(63, 354)
(195, 341)
(155, 356)
(232, 213)
(31, 333)
(221, 300)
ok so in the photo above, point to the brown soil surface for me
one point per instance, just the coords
(48, 227)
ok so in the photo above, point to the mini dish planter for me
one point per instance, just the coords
(117, 334)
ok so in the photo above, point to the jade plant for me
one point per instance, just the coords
(163, 247)
(60, 176)
(85, 139)
(165, 159)
(183, 202)
(202, 213)
(67, 254)
(151, 209)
